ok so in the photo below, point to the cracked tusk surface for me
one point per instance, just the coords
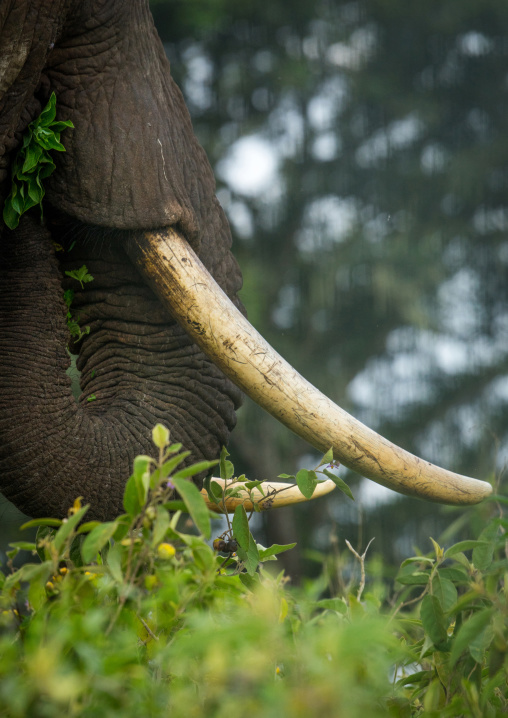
(291, 494)
(193, 297)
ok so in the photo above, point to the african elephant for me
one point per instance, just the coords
(133, 199)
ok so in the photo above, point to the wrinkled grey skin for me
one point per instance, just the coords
(132, 163)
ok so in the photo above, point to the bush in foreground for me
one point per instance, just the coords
(141, 617)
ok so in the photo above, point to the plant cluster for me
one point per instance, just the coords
(33, 163)
(142, 616)
(82, 276)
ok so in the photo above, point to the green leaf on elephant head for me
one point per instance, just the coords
(33, 163)
(10, 215)
(50, 141)
(48, 114)
(195, 504)
(81, 275)
(32, 158)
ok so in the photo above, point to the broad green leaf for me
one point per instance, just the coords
(484, 554)
(464, 546)
(433, 620)
(96, 539)
(32, 158)
(195, 504)
(417, 677)
(416, 578)
(194, 469)
(274, 550)
(10, 216)
(81, 275)
(250, 582)
(167, 468)
(24, 545)
(241, 527)
(204, 557)
(48, 114)
(61, 125)
(455, 574)
(68, 527)
(469, 631)
(131, 497)
(216, 489)
(227, 469)
(255, 485)
(307, 482)
(437, 550)
(327, 458)
(480, 643)
(286, 476)
(141, 464)
(52, 142)
(417, 559)
(88, 526)
(29, 572)
(333, 604)
(114, 562)
(160, 526)
(339, 483)
(250, 557)
(444, 590)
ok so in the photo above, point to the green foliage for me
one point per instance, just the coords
(33, 163)
(82, 276)
(140, 616)
(308, 480)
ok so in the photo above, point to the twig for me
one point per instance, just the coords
(148, 629)
(361, 559)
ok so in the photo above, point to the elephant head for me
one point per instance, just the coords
(133, 198)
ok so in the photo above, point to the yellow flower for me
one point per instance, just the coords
(166, 551)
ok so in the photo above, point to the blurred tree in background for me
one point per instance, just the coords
(361, 153)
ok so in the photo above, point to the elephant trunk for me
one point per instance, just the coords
(138, 367)
(187, 289)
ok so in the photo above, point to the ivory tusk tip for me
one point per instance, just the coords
(275, 495)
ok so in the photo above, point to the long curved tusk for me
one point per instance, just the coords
(186, 288)
(289, 494)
